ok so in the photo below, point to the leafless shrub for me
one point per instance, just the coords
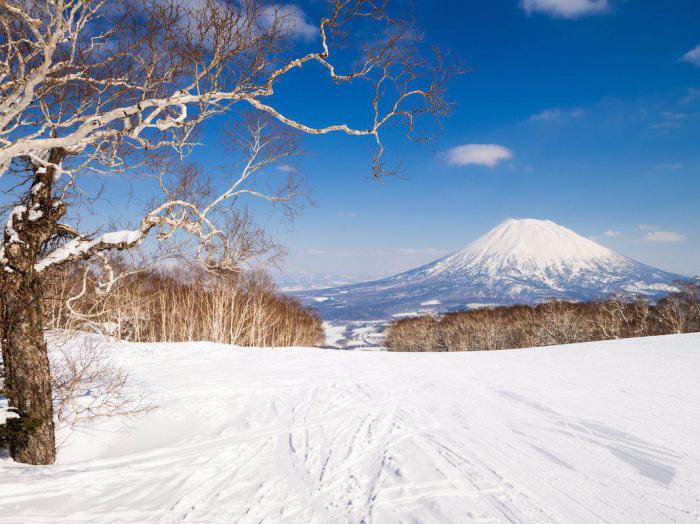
(87, 385)
(548, 324)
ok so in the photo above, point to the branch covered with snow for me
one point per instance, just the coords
(149, 88)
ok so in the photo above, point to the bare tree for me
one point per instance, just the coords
(87, 385)
(107, 86)
(679, 312)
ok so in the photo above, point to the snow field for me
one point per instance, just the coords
(597, 432)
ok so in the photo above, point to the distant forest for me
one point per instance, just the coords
(549, 323)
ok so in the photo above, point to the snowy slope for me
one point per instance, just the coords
(519, 261)
(599, 432)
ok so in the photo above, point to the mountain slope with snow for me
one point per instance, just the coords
(312, 436)
(519, 261)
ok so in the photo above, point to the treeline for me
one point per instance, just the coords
(550, 323)
(180, 306)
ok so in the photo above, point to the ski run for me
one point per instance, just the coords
(596, 432)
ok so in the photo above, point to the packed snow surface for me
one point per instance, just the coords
(598, 432)
(518, 261)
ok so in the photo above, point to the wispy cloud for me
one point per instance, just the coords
(693, 56)
(663, 236)
(612, 233)
(556, 115)
(488, 155)
(692, 95)
(566, 8)
(286, 168)
(398, 252)
(670, 120)
(411, 251)
(654, 233)
(648, 227)
(346, 214)
(668, 168)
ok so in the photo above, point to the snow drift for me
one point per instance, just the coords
(519, 261)
(597, 432)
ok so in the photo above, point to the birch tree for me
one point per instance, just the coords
(106, 86)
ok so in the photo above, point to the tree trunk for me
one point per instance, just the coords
(26, 361)
(24, 352)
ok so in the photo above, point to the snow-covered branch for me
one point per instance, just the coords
(134, 95)
(263, 142)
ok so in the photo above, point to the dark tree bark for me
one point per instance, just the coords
(24, 350)
(27, 378)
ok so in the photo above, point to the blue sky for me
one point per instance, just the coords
(585, 112)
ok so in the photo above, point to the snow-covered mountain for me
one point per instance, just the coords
(519, 261)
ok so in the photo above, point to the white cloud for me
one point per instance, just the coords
(286, 168)
(612, 233)
(293, 19)
(290, 18)
(566, 8)
(346, 214)
(557, 115)
(693, 56)
(478, 154)
(663, 236)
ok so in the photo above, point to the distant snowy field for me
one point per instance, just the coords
(597, 432)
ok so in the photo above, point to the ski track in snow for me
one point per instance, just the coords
(599, 432)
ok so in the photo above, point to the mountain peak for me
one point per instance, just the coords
(533, 242)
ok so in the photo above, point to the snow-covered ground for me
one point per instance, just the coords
(360, 334)
(599, 432)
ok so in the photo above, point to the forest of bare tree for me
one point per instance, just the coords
(549, 323)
